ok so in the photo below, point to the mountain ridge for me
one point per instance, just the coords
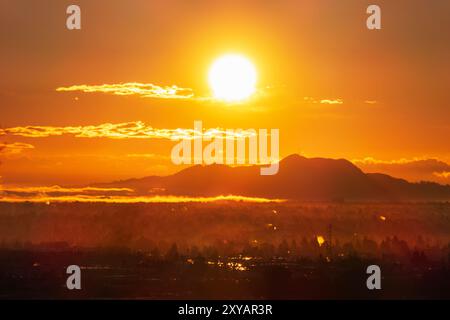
(299, 178)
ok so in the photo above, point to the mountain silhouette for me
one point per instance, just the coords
(298, 178)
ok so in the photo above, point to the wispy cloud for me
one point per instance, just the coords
(134, 199)
(14, 148)
(322, 101)
(145, 90)
(127, 130)
(149, 90)
(443, 174)
(414, 169)
(57, 192)
(332, 101)
(371, 160)
(60, 190)
(415, 160)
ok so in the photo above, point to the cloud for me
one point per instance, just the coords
(334, 101)
(337, 101)
(56, 192)
(127, 130)
(415, 169)
(145, 90)
(14, 148)
(61, 190)
(133, 199)
(417, 162)
(322, 101)
(443, 174)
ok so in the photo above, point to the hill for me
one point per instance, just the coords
(299, 178)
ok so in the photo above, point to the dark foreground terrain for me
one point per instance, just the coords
(224, 250)
(41, 275)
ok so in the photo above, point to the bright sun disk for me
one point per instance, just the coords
(232, 77)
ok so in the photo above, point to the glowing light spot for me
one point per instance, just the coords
(232, 78)
(320, 240)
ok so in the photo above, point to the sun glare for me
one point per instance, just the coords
(232, 77)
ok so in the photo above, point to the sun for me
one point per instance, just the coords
(232, 77)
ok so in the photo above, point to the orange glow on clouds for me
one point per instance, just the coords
(126, 130)
(138, 199)
(145, 90)
(14, 148)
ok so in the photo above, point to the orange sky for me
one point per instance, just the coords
(393, 83)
